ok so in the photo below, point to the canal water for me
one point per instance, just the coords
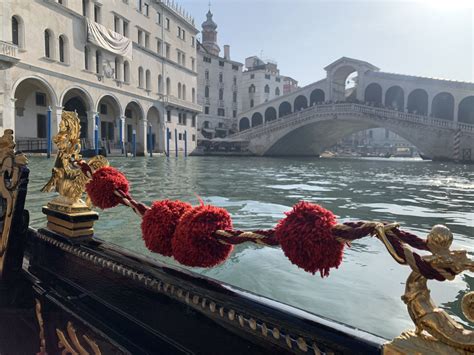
(365, 291)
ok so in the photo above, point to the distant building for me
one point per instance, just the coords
(289, 85)
(219, 79)
(261, 82)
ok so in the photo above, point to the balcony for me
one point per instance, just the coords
(169, 100)
(8, 55)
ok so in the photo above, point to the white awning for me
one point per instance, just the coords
(109, 40)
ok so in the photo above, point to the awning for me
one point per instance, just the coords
(109, 40)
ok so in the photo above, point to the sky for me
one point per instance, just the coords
(432, 38)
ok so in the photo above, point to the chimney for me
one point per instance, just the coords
(227, 52)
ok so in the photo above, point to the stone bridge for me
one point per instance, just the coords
(436, 116)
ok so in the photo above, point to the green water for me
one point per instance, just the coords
(365, 291)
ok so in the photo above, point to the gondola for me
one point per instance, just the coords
(64, 290)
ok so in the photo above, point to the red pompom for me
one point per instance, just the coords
(306, 238)
(193, 242)
(102, 186)
(159, 224)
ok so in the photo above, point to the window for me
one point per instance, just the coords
(40, 99)
(184, 92)
(193, 64)
(126, 72)
(180, 136)
(221, 77)
(183, 60)
(117, 24)
(235, 80)
(277, 91)
(221, 94)
(98, 62)
(235, 67)
(387, 133)
(97, 14)
(206, 74)
(160, 84)
(251, 103)
(206, 124)
(193, 95)
(220, 112)
(158, 18)
(206, 91)
(267, 89)
(221, 125)
(252, 76)
(194, 138)
(128, 113)
(15, 31)
(139, 5)
(234, 96)
(221, 63)
(168, 86)
(168, 50)
(234, 113)
(168, 116)
(251, 88)
(84, 7)
(117, 68)
(125, 28)
(178, 53)
(193, 121)
(179, 32)
(158, 46)
(277, 79)
(206, 59)
(41, 126)
(183, 35)
(47, 44)
(62, 49)
(140, 37)
(86, 58)
(267, 76)
(140, 77)
(167, 24)
(179, 90)
(147, 40)
(146, 9)
(148, 80)
(185, 119)
(103, 109)
(206, 110)
(192, 41)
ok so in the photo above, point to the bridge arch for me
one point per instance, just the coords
(443, 106)
(394, 98)
(301, 102)
(317, 96)
(284, 109)
(270, 114)
(257, 119)
(373, 93)
(418, 102)
(244, 124)
(466, 110)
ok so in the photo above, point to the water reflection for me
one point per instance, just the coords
(257, 191)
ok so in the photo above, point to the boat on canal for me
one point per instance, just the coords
(65, 290)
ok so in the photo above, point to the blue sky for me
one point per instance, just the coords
(431, 38)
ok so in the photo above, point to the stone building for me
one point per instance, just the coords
(289, 85)
(219, 80)
(125, 66)
(261, 82)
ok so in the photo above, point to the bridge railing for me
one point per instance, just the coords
(345, 108)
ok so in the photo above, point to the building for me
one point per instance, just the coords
(289, 85)
(261, 82)
(219, 80)
(127, 66)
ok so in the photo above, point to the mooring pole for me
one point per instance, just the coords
(96, 134)
(134, 143)
(48, 133)
(168, 133)
(185, 143)
(150, 146)
(176, 142)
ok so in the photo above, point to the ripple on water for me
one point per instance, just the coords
(257, 192)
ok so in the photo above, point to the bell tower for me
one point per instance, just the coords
(209, 35)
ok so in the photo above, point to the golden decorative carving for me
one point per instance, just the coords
(10, 165)
(66, 179)
(39, 317)
(435, 332)
(73, 346)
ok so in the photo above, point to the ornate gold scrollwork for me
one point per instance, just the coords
(66, 179)
(10, 165)
(436, 332)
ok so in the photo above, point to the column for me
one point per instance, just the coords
(56, 119)
(121, 129)
(456, 110)
(90, 128)
(143, 135)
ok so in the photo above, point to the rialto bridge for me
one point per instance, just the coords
(437, 116)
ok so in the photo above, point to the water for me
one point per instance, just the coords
(365, 291)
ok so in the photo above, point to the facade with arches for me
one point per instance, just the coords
(57, 66)
(444, 103)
